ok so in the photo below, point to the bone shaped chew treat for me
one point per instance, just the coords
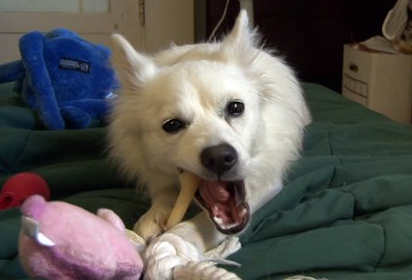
(188, 186)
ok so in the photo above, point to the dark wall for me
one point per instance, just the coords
(310, 34)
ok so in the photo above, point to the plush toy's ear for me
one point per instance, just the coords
(133, 68)
(31, 49)
(240, 44)
(111, 217)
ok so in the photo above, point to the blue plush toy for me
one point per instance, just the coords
(63, 77)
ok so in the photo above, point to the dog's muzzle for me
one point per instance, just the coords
(223, 200)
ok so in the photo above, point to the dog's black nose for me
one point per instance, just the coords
(219, 159)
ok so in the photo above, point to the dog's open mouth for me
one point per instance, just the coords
(225, 202)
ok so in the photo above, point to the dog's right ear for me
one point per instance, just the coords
(133, 68)
(241, 43)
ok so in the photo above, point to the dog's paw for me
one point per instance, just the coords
(152, 223)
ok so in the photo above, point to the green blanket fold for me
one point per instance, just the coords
(345, 211)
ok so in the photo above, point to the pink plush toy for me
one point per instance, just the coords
(61, 241)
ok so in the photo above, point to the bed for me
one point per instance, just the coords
(345, 212)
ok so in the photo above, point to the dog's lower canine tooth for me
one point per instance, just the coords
(218, 221)
(232, 226)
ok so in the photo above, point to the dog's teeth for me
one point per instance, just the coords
(243, 212)
(215, 210)
(226, 227)
(218, 221)
(222, 225)
(232, 225)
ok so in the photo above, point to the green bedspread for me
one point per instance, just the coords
(345, 212)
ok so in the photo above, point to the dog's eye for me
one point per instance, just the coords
(235, 109)
(173, 125)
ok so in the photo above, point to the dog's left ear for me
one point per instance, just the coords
(133, 68)
(240, 44)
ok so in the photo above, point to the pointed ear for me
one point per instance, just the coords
(133, 68)
(240, 44)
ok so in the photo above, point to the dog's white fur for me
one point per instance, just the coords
(194, 83)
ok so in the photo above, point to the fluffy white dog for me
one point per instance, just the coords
(229, 112)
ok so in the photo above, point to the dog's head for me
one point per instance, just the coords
(203, 108)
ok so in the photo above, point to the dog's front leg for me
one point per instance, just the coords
(152, 223)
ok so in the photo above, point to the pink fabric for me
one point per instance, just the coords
(87, 246)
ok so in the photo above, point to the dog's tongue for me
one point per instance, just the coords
(213, 192)
(221, 201)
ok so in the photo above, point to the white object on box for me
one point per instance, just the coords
(378, 43)
(396, 20)
(380, 81)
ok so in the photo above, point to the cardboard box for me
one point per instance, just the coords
(380, 81)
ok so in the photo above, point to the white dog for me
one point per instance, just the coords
(229, 112)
